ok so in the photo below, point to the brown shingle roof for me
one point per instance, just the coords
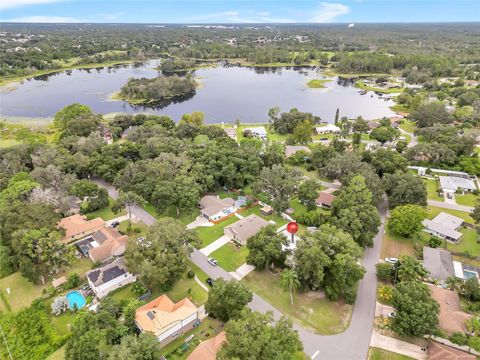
(78, 226)
(207, 350)
(437, 351)
(325, 198)
(113, 243)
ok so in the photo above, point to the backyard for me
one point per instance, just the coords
(311, 310)
(230, 257)
(432, 190)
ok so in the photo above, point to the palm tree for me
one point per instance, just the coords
(289, 282)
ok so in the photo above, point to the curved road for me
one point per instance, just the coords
(413, 138)
(353, 343)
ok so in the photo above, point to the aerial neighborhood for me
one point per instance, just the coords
(339, 222)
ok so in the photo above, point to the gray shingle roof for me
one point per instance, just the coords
(438, 262)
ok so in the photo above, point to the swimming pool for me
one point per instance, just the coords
(470, 274)
(75, 298)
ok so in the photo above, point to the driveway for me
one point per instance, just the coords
(445, 205)
(413, 138)
(199, 221)
(217, 244)
(120, 219)
(353, 343)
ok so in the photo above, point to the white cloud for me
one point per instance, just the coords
(113, 16)
(45, 19)
(10, 4)
(237, 17)
(328, 12)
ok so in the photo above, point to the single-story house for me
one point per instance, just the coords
(327, 129)
(103, 244)
(77, 227)
(207, 350)
(454, 183)
(437, 351)
(109, 277)
(266, 210)
(245, 228)
(438, 262)
(444, 226)
(451, 317)
(231, 132)
(259, 132)
(213, 208)
(167, 320)
(325, 199)
(291, 150)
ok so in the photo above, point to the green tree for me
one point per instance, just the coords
(337, 116)
(289, 282)
(353, 212)
(385, 271)
(410, 269)
(278, 185)
(265, 339)
(196, 118)
(128, 200)
(308, 193)
(416, 312)
(406, 220)
(142, 347)
(384, 134)
(386, 161)
(265, 248)
(162, 257)
(302, 134)
(429, 114)
(226, 299)
(404, 188)
(129, 311)
(70, 112)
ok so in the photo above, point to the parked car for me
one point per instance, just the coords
(391, 315)
(391, 260)
(212, 261)
(209, 281)
(115, 224)
(449, 195)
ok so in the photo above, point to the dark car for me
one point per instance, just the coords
(209, 281)
(115, 224)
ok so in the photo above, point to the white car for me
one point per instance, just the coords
(212, 261)
(391, 260)
(391, 315)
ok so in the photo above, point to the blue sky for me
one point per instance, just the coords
(239, 11)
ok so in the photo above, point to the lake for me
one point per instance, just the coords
(226, 93)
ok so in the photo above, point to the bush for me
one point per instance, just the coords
(72, 281)
(435, 242)
(385, 294)
(474, 342)
(385, 271)
(138, 289)
(458, 338)
(191, 274)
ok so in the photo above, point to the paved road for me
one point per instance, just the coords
(353, 343)
(413, 138)
(446, 205)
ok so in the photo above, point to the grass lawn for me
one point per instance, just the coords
(122, 294)
(394, 245)
(316, 313)
(207, 329)
(185, 217)
(408, 126)
(106, 213)
(467, 199)
(22, 292)
(468, 243)
(432, 190)
(434, 211)
(58, 355)
(317, 83)
(63, 323)
(300, 209)
(133, 233)
(199, 272)
(380, 354)
(361, 85)
(231, 257)
(279, 221)
(209, 234)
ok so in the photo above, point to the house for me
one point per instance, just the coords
(258, 132)
(325, 199)
(444, 226)
(109, 277)
(213, 208)
(231, 132)
(452, 184)
(438, 262)
(167, 320)
(77, 227)
(207, 350)
(103, 244)
(327, 129)
(291, 150)
(373, 125)
(451, 317)
(245, 228)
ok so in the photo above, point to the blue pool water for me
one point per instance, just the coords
(75, 298)
(470, 274)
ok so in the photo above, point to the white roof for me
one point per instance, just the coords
(260, 130)
(445, 224)
(458, 269)
(448, 221)
(327, 128)
(455, 182)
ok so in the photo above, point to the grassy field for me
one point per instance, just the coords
(395, 245)
(467, 199)
(123, 228)
(300, 209)
(468, 243)
(317, 83)
(207, 329)
(408, 126)
(432, 189)
(185, 217)
(361, 85)
(319, 314)
(380, 354)
(106, 213)
(230, 257)
(209, 234)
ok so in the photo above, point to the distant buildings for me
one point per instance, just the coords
(167, 320)
(327, 129)
(110, 277)
(245, 228)
(258, 132)
(444, 226)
